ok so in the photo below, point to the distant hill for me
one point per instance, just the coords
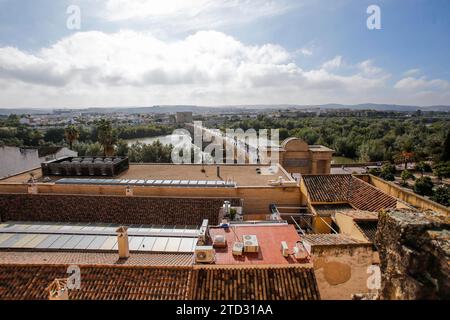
(234, 108)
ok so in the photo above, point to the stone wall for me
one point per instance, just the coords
(414, 251)
(111, 209)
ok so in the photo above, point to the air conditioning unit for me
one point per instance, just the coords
(238, 249)
(205, 254)
(251, 243)
(219, 241)
(284, 249)
(300, 254)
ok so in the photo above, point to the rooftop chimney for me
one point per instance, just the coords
(58, 290)
(122, 243)
(32, 188)
(129, 191)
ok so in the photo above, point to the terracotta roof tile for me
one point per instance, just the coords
(261, 283)
(328, 188)
(97, 283)
(329, 239)
(347, 188)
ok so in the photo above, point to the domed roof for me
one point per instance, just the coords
(294, 144)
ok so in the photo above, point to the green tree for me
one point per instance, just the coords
(446, 148)
(406, 175)
(442, 195)
(71, 134)
(424, 186)
(122, 148)
(442, 170)
(55, 135)
(106, 136)
(388, 172)
(423, 167)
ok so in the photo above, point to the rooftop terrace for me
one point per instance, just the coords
(242, 175)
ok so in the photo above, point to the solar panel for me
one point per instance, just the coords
(173, 244)
(97, 243)
(36, 240)
(48, 241)
(25, 239)
(175, 183)
(109, 243)
(84, 243)
(96, 237)
(9, 243)
(160, 244)
(136, 243)
(4, 237)
(60, 242)
(72, 242)
(147, 244)
(187, 245)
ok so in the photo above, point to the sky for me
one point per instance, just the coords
(222, 52)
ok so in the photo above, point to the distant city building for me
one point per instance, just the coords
(183, 117)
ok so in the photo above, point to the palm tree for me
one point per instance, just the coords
(71, 133)
(106, 136)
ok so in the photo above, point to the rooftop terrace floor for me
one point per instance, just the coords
(269, 240)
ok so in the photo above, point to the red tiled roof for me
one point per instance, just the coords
(269, 239)
(347, 188)
(366, 197)
(260, 283)
(111, 209)
(19, 282)
(328, 188)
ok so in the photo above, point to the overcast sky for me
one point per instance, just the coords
(221, 52)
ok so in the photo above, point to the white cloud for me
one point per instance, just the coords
(206, 68)
(193, 14)
(423, 84)
(411, 72)
(333, 63)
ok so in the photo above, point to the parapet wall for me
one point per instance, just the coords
(111, 209)
(407, 196)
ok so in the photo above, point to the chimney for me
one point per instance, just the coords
(129, 191)
(122, 242)
(32, 188)
(58, 290)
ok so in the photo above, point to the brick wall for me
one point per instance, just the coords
(110, 209)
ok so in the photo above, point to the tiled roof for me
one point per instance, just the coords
(261, 283)
(331, 209)
(97, 283)
(328, 188)
(347, 188)
(330, 239)
(111, 209)
(369, 228)
(90, 258)
(366, 197)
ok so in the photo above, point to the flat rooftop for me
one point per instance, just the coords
(242, 175)
(269, 240)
